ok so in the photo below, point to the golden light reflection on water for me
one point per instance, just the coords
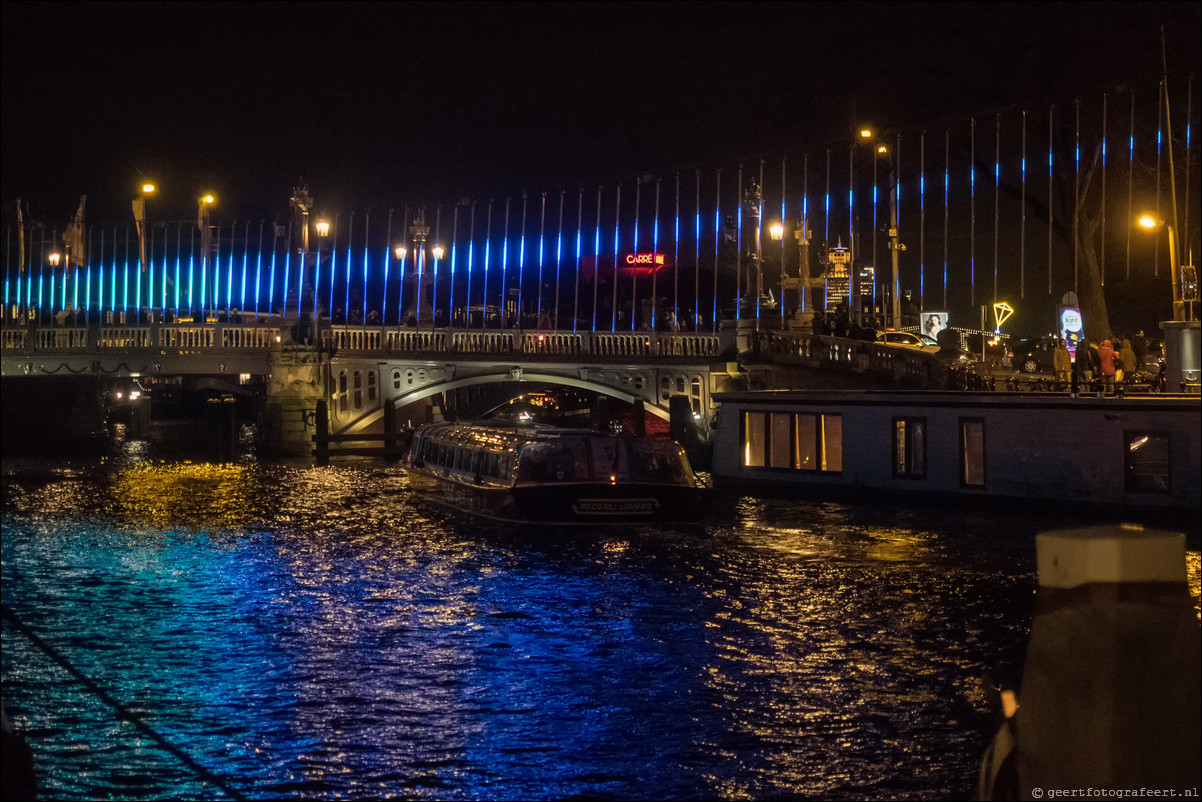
(160, 495)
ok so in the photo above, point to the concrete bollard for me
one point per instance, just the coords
(1110, 696)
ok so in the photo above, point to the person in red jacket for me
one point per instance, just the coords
(1108, 364)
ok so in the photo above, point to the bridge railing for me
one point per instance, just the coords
(372, 339)
(822, 351)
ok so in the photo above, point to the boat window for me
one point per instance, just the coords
(909, 447)
(1146, 462)
(608, 459)
(553, 461)
(972, 452)
(754, 438)
(819, 442)
(653, 461)
(780, 451)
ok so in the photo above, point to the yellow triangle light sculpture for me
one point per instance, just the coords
(1001, 313)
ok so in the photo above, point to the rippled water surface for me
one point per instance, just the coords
(305, 632)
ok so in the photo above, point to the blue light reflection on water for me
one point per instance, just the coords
(314, 632)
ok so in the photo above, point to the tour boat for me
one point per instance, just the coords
(536, 473)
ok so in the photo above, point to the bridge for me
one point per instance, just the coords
(359, 371)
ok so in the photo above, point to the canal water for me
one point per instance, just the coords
(319, 633)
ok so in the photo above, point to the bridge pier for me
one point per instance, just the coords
(295, 384)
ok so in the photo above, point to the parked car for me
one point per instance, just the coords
(905, 339)
(1033, 356)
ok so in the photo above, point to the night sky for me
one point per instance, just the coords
(428, 102)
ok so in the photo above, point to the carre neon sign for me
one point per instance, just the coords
(644, 259)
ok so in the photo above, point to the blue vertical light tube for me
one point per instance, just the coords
(125, 276)
(947, 158)
(717, 241)
(654, 252)
(229, 272)
(275, 246)
(287, 273)
(366, 228)
(346, 302)
(972, 203)
(922, 220)
(245, 261)
(259, 270)
(487, 262)
(333, 267)
(634, 295)
(521, 259)
(739, 245)
(597, 259)
(387, 260)
(542, 232)
(558, 260)
(178, 267)
(454, 249)
(827, 203)
(697, 254)
(99, 279)
(613, 312)
(471, 258)
(505, 268)
(579, 245)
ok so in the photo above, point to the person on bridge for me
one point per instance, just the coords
(1108, 365)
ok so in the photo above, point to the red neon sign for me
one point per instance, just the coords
(644, 259)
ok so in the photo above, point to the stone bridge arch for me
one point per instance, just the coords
(498, 375)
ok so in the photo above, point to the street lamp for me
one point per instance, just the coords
(203, 205)
(1184, 279)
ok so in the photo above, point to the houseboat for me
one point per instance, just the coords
(1017, 449)
(542, 474)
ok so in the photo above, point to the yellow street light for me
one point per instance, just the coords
(149, 188)
(438, 252)
(1151, 223)
(866, 133)
(323, 228)
(208, 199)
(55, 258)
(776, 231)
(400, 251)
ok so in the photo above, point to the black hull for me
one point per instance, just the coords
(568, 504)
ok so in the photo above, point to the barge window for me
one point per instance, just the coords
(754, 438)
(909, 447)
(819, 442)
(780, 451)
(1146, 462)
(972, 452)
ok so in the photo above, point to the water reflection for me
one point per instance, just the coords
(316, 633)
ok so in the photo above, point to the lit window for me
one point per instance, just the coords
(909, 447)
(1146, 462)
(972, 453)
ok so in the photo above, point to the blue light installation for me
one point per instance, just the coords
(1076, 188)
(1159, 132)
(1051, 131)
(471, 253)
(287, 273)
(178, 266)
(542, 230)
(275, 245)
(125, 276)
(922, 219)
(1102, 253)
(784, 194)
(258, 269)
(505, 268)
(972, 228)
(1130, 179)
(739, 245)
(521, 260)
(697, 253)
(655, 249)
(333, 267)
(387, 260)
(454, 247)
(717, 241)
(558, 259)
(634, 297)
(366, 228)
(827, 207)
(997, 184)
(1022, 225)
(579, 245)
(113, 284)
(487, 256)
(613, 323)
(346, 303)
(597, 258)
